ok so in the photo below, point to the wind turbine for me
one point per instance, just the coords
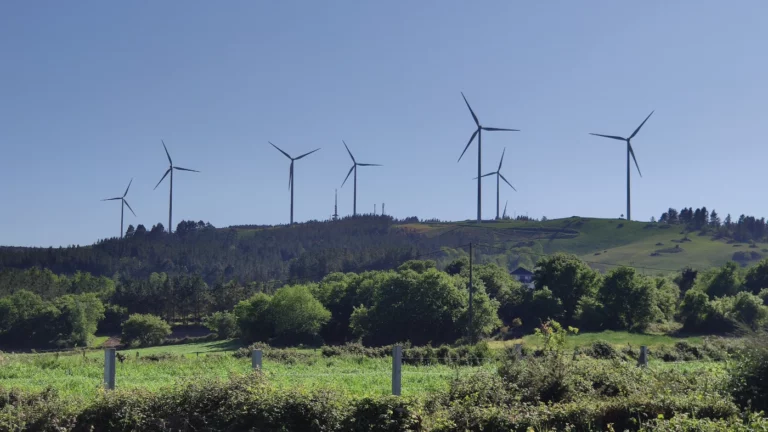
(479, 134)
(629, 152)
(170, 170)
(290, 172)
(123, 203)
(498, 184)
(504, 215)
(355, 164)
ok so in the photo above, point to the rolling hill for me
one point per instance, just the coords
(311, 250)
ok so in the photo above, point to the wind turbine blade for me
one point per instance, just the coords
(505, 181)
(290, 176)
(477, 122)
(350, 153)
(161, 180)
(126, 189)
(485, 175)
(306, 154)
(166, 152)
(641, 125)
(632, 152)
(470, 142)
(609, 136)
(505, 209)
(185, 169)
(350, 172)
(362, 164)
(502, 158)
(112, 199)
(281, 151)
(129, 207)
(499, 129)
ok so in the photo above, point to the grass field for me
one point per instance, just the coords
(615, 338)
(606, 243)
(80, 376)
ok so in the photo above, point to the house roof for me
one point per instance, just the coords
(522, 272)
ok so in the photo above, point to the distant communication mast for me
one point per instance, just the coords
(336, 204)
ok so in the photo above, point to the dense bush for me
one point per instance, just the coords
(224, 324)
(749, 374)
(28, 321)
(426, 355)
(144, 330)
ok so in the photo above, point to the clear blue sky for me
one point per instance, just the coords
(88, 89)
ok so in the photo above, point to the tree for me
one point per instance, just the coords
(749, 309)
(141, 230)
(80, 315)
(723, 281)
(144, 330)
(727, 221)
(253, 319)
(569, 279)
(224, 324)
(714, 219)
(629, 300)
(296, 314)
(757, 277)
(129, 232)
(686, 279)
(457, 266)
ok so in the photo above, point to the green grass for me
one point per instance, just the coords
(606, 243)
(99, 341)
(616, 338)
(80, 377)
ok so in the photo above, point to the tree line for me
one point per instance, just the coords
(745, 228)
(418, 301)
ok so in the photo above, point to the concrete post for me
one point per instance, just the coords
(109, 368)
(519, 351)
(643, 359)
(256, 359)
(397, 364)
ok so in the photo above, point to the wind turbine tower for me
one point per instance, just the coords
(123, 203)
(499, 177)
(290, 172)
(630, 152)
(355, 164)
(170, 198)
(479, 133)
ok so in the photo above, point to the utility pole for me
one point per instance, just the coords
(471, 292)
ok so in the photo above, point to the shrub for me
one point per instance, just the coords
(144, 330)
(224, 324)
(749, 374)
(603, 350)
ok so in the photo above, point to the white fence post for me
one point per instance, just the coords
(397, 364)
(643, 359)
(256, 359)
(109, 368)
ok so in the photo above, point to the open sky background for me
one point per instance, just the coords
(88, 89)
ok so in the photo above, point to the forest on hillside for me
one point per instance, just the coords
(252, 254)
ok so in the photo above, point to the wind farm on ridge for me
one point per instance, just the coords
(355, 164)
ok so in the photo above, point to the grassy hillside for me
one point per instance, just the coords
(606, 243)
(312, 250)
